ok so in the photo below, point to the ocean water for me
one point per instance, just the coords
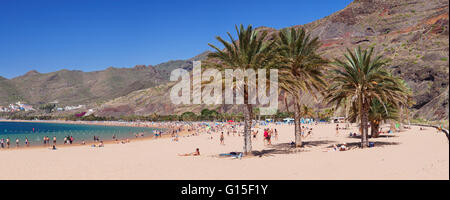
(36, 131)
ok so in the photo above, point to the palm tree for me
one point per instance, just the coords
(404, 108)
(378, 113)
(306, 111)
(253, 51)
(301, 69)
(361, 79)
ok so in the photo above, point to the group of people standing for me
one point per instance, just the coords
(68, 140)
(7, 143)
(46, 140)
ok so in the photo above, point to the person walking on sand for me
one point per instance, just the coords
(2, 143)
(17, 142)
(221, 138)
(269, 139)
(54, 140)
(337, 129)
(276, 134)
(266, 137)
(7, 143)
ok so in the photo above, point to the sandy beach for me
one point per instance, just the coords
(412, 154)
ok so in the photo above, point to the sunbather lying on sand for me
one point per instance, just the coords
(196, 153)
(343, 147)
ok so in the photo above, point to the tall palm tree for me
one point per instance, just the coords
(252, 50)
(301, 69)
(361, 79)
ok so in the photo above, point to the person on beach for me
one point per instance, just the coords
(439, 129)
(276, 134)
(221, 138)
(2, 143)
(335, 148)
(267, 137)
(83, 142)
(343, 147)
(65, 140)
(337, 129)
(17, 142)
(71, 139)
(176, 138)
(308, 134)
(26, 142)
(7, 143)
(54, 140)
(196, 153)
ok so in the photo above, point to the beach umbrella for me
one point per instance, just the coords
(230, 121)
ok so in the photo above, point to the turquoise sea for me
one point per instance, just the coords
(36, 131)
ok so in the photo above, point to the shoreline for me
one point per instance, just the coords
(96, 123)
(89, 143)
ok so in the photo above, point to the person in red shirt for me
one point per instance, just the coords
(266, 136)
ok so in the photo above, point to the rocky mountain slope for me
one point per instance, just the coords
(413, 34)
(8, 92)
(77, 87)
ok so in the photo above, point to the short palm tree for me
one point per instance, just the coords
(378, 113)
(361, 78)
(301, 69)
(306, 111)
(252, 50)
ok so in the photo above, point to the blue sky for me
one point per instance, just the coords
(89, 35)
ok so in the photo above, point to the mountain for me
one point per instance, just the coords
(8, 92)
(413, 34)
(77, 87)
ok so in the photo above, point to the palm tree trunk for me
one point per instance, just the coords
(374, 127)
(401, 118)
(286, 102)
(298, 128)
(247, 128)
(365, 128)
(248, 113)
